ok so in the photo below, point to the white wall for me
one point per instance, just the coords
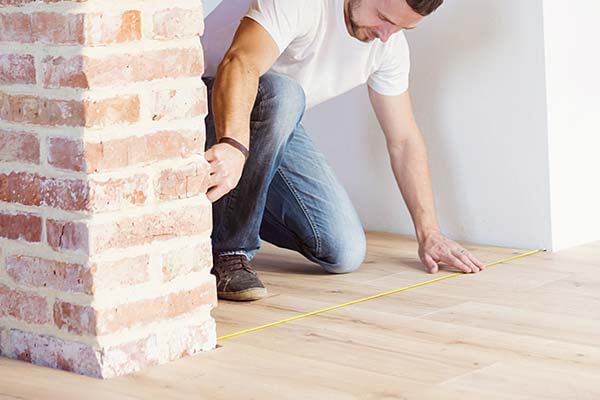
(210, 5)
(573, 85)
(478, 90)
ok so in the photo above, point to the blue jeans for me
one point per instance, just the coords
(288, 194)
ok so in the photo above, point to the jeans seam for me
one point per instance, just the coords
(304, 209)
(259, 98)
(275, 221)
(229, 206)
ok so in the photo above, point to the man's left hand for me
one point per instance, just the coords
(435, 247)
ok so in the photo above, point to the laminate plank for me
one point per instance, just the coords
(522, 330)
(512, 319)
(499, 381)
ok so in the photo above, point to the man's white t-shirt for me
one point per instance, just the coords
(315, 47)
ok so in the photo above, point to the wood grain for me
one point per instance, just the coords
(526, 329)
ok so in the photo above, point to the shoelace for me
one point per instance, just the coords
(231, 263)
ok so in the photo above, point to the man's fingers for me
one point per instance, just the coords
(467, 261)
(225, 166)
(216, 192)
(431, 265)
(216, 176)
(211, 181)
(477, 262)
(457, 263)
(209, 155)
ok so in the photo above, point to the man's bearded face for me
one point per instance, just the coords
(362, 33)
(379, 19)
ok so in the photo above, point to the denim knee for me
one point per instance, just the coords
(282, 98)
(344, 254)
(288, 95)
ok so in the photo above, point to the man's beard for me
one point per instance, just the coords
(352, 6)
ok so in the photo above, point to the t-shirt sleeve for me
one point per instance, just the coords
(392, 77)
(283, 19)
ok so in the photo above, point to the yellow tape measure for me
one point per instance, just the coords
(323, 310)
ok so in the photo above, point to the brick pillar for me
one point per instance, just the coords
(104, 224)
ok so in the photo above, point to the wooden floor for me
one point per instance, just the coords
(526, 329)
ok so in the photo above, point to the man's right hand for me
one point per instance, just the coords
(226, 166)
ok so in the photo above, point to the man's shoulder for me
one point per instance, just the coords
(396, 47)
(301, 8)
(397, 40)
(300, 15)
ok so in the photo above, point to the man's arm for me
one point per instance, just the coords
(408, 157)
(251, 54)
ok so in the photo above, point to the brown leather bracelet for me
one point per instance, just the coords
(235, 144)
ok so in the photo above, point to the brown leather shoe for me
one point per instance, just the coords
(236, 280)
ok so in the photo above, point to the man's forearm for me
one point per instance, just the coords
(233, 97)
(409, 164)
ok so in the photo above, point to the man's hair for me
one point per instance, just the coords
(424, 7)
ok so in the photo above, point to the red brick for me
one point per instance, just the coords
(40, 111)
(111, 361)
(75, 318)
(188, 300)
(15, 27)
(184, 261)
(60, 72)
(17, 68)
(23, 2)
(66, 154)
(73, 277)
(148, 148)
(73, 194)
(23, 306)
(66, 194)
(112, 27)
(178, 23)
(188, 181)
(122, 273)
(78, 195)
(114, 194)
(131, 231)
(55, 28)
(21, 187)
(114, 154)
(91, 236)
(40, 272)
(33, 190)
(87, 320)
(162, 225)
(67, 235)
(191, 339)
(118, 110)
(179, 103)
(52, 112)
(20, 226)
(129, 357)
(86, 72)
(55, 353)
(19, 146)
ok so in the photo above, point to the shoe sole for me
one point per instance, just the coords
(244, 295)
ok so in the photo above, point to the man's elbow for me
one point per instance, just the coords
(235, 60)
(399, 144)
